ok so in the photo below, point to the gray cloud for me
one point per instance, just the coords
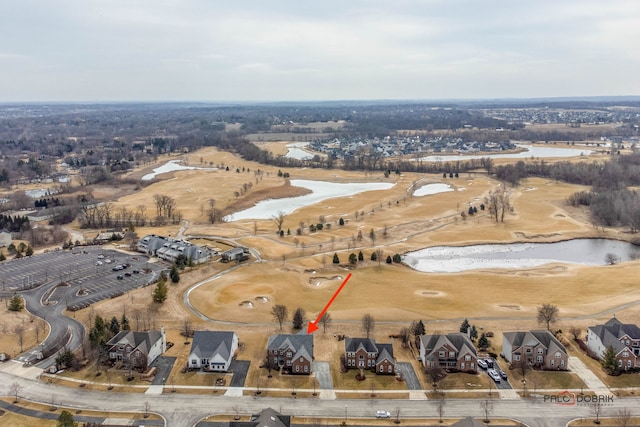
(254, 50)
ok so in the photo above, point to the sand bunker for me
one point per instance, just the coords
(261, 299)
(510, 306)
(321, 281)
(246, 304)
(426, 293)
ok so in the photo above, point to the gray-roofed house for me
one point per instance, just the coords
(365, 353)
(170, 249)
(265, 418)
(212, 350)
(292, 353)
(537, 348)
(140, 348)
(623, 337)
(468, 422)
(453, 352)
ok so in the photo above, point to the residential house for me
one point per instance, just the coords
(454, 352)
(139, 348)
(292, 353)
(623, 337)
(212, 350)
(265, 418)
(537, 348)
(365, 353)
(468, 422)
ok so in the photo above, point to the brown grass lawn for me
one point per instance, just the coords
(606, 422)
(19, 330)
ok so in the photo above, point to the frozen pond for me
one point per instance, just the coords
(321, 190)
(295, 151)
(38, 194)
(171, 166)
(449, 259)
(429, 189)
(530, 151)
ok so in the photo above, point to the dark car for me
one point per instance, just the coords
(127, 274)
(136, 271)
(503, 374)
(120, 277)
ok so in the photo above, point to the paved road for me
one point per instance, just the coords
(185, 410)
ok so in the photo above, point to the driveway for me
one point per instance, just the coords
(323, 374)
(164, 365)
(239, 369)
(410, 376)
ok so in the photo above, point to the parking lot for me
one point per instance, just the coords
(83, 276)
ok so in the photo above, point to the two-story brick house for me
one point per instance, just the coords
(536, 348)
(138, 348)
(452, 352)
(292, 353)
(365, 353)
(623, 337)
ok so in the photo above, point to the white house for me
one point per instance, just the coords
(213, 350)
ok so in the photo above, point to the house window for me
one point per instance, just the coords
(553, 362)
(441, 354)
(361, 357)
(539, 351)
(558, 355)
(627, 342)
(462, 365)
(467, 357)
(306, 368)
(528, 350)
(562, 363)
(620, 363)
(297, 368)
(368, 363)
(301, 359)
(194, 362)
(628, 363)
(516, 357)
(625, 354)
(289, 354)
(381, 368)
(390, 368)
(452, 354)
(204, 361)
(539, 359)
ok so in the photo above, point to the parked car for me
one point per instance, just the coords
(127, 274)
(495, 376)
(98, 262)
(503, 374)
(100, 256)
(482, 363)
(120, 277)
(108, 261)
(136, 271)
(383, 414)
(489, 363)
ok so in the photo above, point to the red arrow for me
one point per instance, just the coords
(313, 326)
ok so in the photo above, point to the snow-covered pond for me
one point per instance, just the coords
(295, 151)
(320, 190)
(530, 151)
(40, 193)
(449, 259)
(429, 189)
(171, 166)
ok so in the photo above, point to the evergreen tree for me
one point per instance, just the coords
(124, 323)
(464, 326)
(389, 260)
(353, 258)
(66, 420)
(160, 291)
(114, 326)
(374, 256)
(336, 260)
(29, 251)
(16, 303)
(298, 318)
(174, 274)
(341, 222)
(483, 342)
(608, 360)
(474, 333)
(2, 256)
(99, 334)
(360, 256)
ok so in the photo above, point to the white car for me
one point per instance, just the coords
(383, 414)
(495, 376)
(482, 363)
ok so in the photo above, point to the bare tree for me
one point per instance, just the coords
(379, 255)
(279, 313)
(596, 408)
(611, 258)
(19, 332)
(498, 202)
(487, 408)
(186, 327)
(548, 313)
(279, 218)
(435, 374)
(441, 404)
(623, 417)
(325, 321)
(15, 390)
(368, 324)
(397, 411)
(576, 332)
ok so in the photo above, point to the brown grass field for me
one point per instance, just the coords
(297, 271)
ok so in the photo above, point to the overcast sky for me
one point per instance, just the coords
(256, 50)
